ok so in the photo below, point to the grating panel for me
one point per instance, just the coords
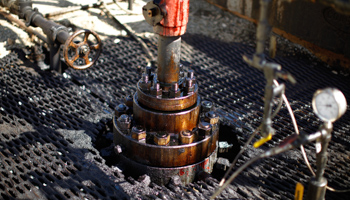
(50, 124)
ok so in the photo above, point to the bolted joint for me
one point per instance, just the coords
(145, 83)
(124, 122)
(186, 137)
(121, 109)
(190, 75)
(204, 129)
(174, 91)
(211, 117)
(206, 106)
(190, 85)
(138, 133)
(161, 138)
(128, 101)
(156, 90)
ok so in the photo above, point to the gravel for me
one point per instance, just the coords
(204, 18)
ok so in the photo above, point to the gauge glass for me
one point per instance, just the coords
(329, 104)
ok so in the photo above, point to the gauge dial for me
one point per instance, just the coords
(329, 104)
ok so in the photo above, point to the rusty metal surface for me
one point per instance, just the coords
(167, 104)
(169, 49)
(163, 176)
(75, 101)
(79, 52)
(172, 155)
(172, 122)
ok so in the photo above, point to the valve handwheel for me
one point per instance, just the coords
(82, 49)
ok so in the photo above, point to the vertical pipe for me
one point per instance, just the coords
(168, 59)
(55, 62)
(262, 32)
(130, 6)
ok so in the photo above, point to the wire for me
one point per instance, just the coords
(128, 12)
(249, 140)
(238, 155)
(234, 175)
(302, 149)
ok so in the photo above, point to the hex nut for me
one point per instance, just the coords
(204, 129)
(138, 133)
(124, 122)
(121, 109)
(190, 86)
(174, 94)
(161, 138)
(174, 91)
(186, 137)
(211, 117)
(145, 87)
(145, 83)
(129, 101)
(206, 106)
(156, 90)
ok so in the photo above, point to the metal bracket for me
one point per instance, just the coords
(57, 29)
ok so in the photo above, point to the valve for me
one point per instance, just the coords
(153, 13)
(82, 49)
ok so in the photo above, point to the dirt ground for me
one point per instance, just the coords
(204, 18)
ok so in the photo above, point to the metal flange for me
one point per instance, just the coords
(167, 104)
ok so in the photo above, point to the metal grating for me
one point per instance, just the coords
(51, 125)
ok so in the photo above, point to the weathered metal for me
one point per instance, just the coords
(173, 122)
(167, 107)
(56, 35)
(172, 155)
(187, 137)
(82, 49)
(167, 104)
(163, 175)
(168, 59)
(175, 21)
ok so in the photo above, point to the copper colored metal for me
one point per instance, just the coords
(168, 60)
(187, 137)
(211, 117)
(138, 133)
(163, 175)
(167, 104)
(165, 156)
(82, 49)
(172, 122)
(161, 138)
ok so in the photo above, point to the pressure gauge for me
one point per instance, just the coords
(329, 104)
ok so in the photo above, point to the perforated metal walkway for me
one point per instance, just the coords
(51, 125)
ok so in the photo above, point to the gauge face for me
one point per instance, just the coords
(329, 104)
